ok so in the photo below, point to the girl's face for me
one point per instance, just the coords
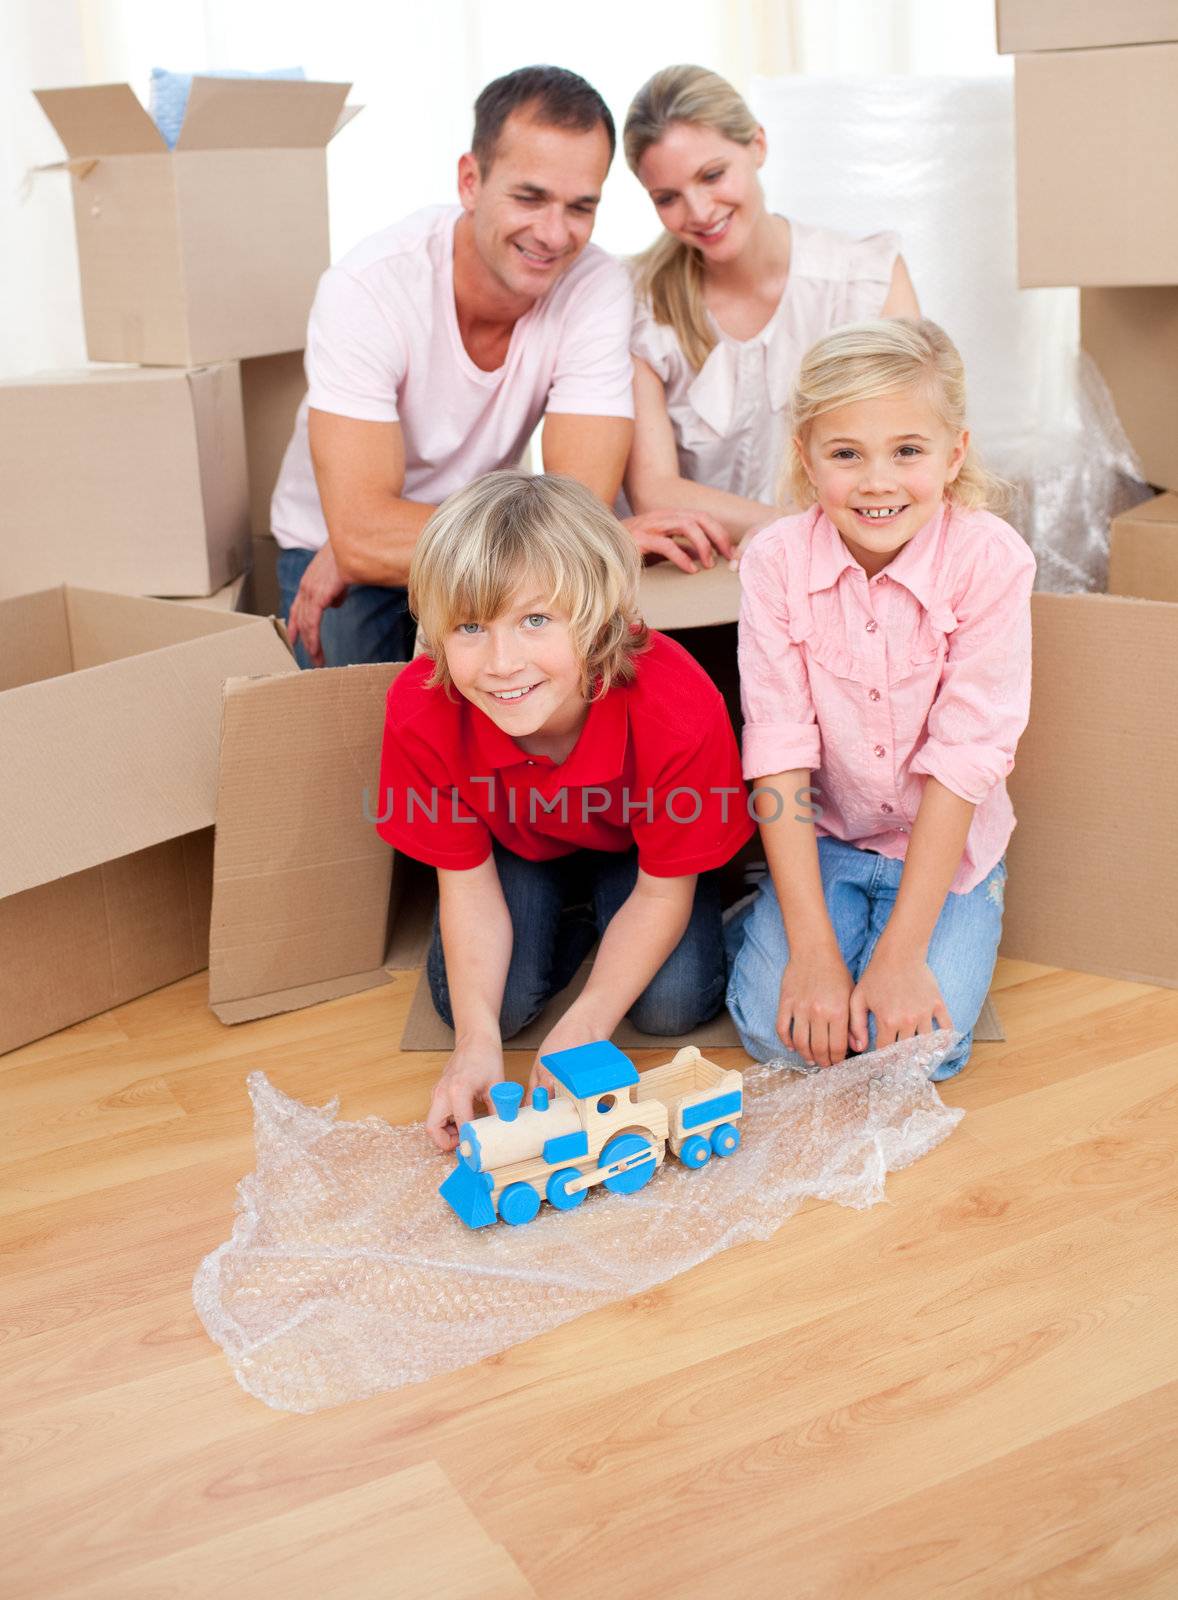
(705, 188)
(880, 469)
(521, 668)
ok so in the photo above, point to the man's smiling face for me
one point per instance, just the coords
(534, 208)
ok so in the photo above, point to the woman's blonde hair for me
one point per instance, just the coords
(510, 528)
(863, 360)
(670, 274)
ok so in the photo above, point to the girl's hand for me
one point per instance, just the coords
(902, 992)
(468, 1075)
(815, 1006)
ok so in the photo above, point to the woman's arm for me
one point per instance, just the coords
(898, 984)
(901, 300)
(816, 985)
(477, 943)
(653, 481)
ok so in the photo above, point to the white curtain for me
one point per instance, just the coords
(416, 69)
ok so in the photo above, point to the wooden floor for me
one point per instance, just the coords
(968, 1391)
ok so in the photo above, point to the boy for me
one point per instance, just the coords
(547, 750)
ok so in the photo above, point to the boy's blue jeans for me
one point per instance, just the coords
(860, 888)
(559, 909)
(371, 624)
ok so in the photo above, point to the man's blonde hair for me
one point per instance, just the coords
(864, 360)
(510, 528)
(670, 274)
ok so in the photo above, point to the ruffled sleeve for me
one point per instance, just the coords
(857, 273)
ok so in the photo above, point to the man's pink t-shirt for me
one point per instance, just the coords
(873, 685)
(383, 346)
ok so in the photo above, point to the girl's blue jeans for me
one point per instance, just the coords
(558, 910)
(860, 888)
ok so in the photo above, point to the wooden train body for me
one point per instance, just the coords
(606, 1124)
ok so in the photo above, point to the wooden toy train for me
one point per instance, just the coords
(593, 1130)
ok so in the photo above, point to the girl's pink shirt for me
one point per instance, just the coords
(925, 670)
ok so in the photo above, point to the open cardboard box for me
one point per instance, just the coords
(1132, 335)
(110, 711)
(1143, 551)
(211, 251)
(125, 478)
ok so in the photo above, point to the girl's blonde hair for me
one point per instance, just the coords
(510, 528)
(864, 360)
(670, 274)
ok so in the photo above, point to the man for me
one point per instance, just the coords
(434, 349)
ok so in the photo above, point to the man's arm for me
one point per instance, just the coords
(360, 471)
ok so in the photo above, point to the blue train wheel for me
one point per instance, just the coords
(518, 1203)
(628, 1144)
(726, 1139)
(557, 1191)
(695, 1151)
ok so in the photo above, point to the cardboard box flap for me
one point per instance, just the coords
(260, 114)
(119, 757)
(301, 882)
(34, 638)
(672, 598)
(105, 119)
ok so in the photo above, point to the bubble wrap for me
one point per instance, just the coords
(933, 159)
(347, 1275)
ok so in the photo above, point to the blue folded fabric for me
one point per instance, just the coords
(170, 91)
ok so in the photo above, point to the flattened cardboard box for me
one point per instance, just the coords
(1097, 179)
(109, 721)
(1093, 872)
(1132, 335)
(211, 251)
(126, 478)
(1083, 24)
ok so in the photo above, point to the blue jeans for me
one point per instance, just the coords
(559, 909)
(372, 623)
(860, 888)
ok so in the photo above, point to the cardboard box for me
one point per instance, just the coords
(110, 711)
(265, 598)
(1143, 551)
(1132, 335)
(1083, 24)
(211, 251)
(127, 478)
(272, 389)
(1097, 179)
(1093, 872)
(235, 596)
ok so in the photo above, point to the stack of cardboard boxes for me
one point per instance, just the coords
(149, 476)
(1092, 875)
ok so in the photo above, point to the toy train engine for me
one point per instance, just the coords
(606, 1124)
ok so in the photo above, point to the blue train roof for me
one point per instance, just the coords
(591, 1069)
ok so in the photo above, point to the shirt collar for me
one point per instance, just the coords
(596, 757)
(916, 566)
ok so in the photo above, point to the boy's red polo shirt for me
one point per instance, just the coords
(656, 765)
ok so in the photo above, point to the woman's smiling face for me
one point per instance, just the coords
(705, 188)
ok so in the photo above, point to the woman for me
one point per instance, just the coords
(728, 301)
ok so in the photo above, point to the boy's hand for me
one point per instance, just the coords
(576, 1027)
(468, 1075)
(899, 987)
(815, 1006)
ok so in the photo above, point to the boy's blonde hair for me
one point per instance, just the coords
(864, 360)
(511, 528)
(670, 274)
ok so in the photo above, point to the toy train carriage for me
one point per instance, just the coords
(606, 1124)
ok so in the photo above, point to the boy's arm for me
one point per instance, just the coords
(477, 941)
(641, 935)
(898, 984)
(816, 986)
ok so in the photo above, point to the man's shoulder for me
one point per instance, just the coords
(594, 275)
(402, 247)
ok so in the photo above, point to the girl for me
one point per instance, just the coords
(547, 755)
(727, 301)
(885, 658)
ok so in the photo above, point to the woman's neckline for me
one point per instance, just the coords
(759, 336)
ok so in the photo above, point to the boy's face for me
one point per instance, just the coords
(521, 668)
(880, 469)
